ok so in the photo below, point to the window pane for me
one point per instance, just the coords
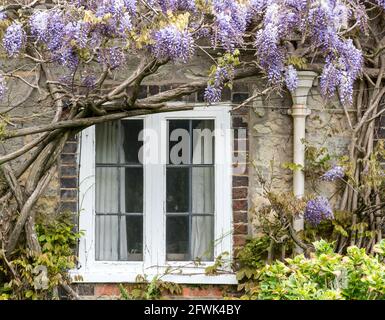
(107, 142)
(203, 141)
(179, 141)
(131, 233)
(107, 190)
(177, 238)
(202, 238)
(203, 196)
(107, 238)
(177, 189)
(132, 190)
(130, 141)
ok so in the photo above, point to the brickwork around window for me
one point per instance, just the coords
(240, 184)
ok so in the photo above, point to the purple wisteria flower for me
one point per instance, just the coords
(212, 94)
(114, 57)
(170, 42)
(14, 38)
(3, 87)
(231, 18)
(317, 210)
(337, 172)
(3, 15)
(291, 78)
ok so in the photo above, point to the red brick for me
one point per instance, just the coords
(240, 228)
(107, 290)
(240, 193)
(239, 240)
(202, 292)
(240, 216)
(240, 205)
(240, 181)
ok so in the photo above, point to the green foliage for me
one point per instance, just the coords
(220, 262)
(251, 258)
(324, 276)
(149, 290)
(39, 275)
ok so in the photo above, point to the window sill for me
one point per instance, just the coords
(114, 275)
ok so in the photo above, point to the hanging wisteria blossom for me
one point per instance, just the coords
(318, 210)
(335, 173)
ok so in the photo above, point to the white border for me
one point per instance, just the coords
(92, 271)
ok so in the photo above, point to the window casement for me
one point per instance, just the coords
(155, 193)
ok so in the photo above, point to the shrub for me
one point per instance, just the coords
(324, 276)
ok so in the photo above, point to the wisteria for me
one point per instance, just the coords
(13, 39)
(172, 43)
(318, 210)
(291, 78)
(271, 28)
(230, 23)
(336, 172)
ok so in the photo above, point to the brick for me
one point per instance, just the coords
(68, 158)
(239, 122)
(240, 181)
(240, 111)
(226, 94)
(240, 193)
(240, 97)
(202, 292)
(240, 228)
(240, 205)
(201, 96)
(165, 88)
(70, 147)
(68, 183)
(240, 217)
(191, 98)
(106, 290)
(241, 87)
(69, 194)
(85, 289)
(239, 240)
(142, 92)
(153, 90)
(68, 171)
(73, 138)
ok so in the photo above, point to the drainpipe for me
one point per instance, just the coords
(299, 112)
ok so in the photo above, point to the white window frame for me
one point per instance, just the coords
(154, 251)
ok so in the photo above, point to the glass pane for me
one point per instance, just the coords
(130, 141)
(179, 141)
(107, 238)
(131, 234)
(203, 195)
(203, 141)
(107, 190)
(202, 238)
(106, 142)
(177, 230)
(177, 189)
(132, 190)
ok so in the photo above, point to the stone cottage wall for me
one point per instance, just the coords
(268, 137)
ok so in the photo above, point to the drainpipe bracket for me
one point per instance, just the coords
(299, 111)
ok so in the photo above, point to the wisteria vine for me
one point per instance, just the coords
(104, 31)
